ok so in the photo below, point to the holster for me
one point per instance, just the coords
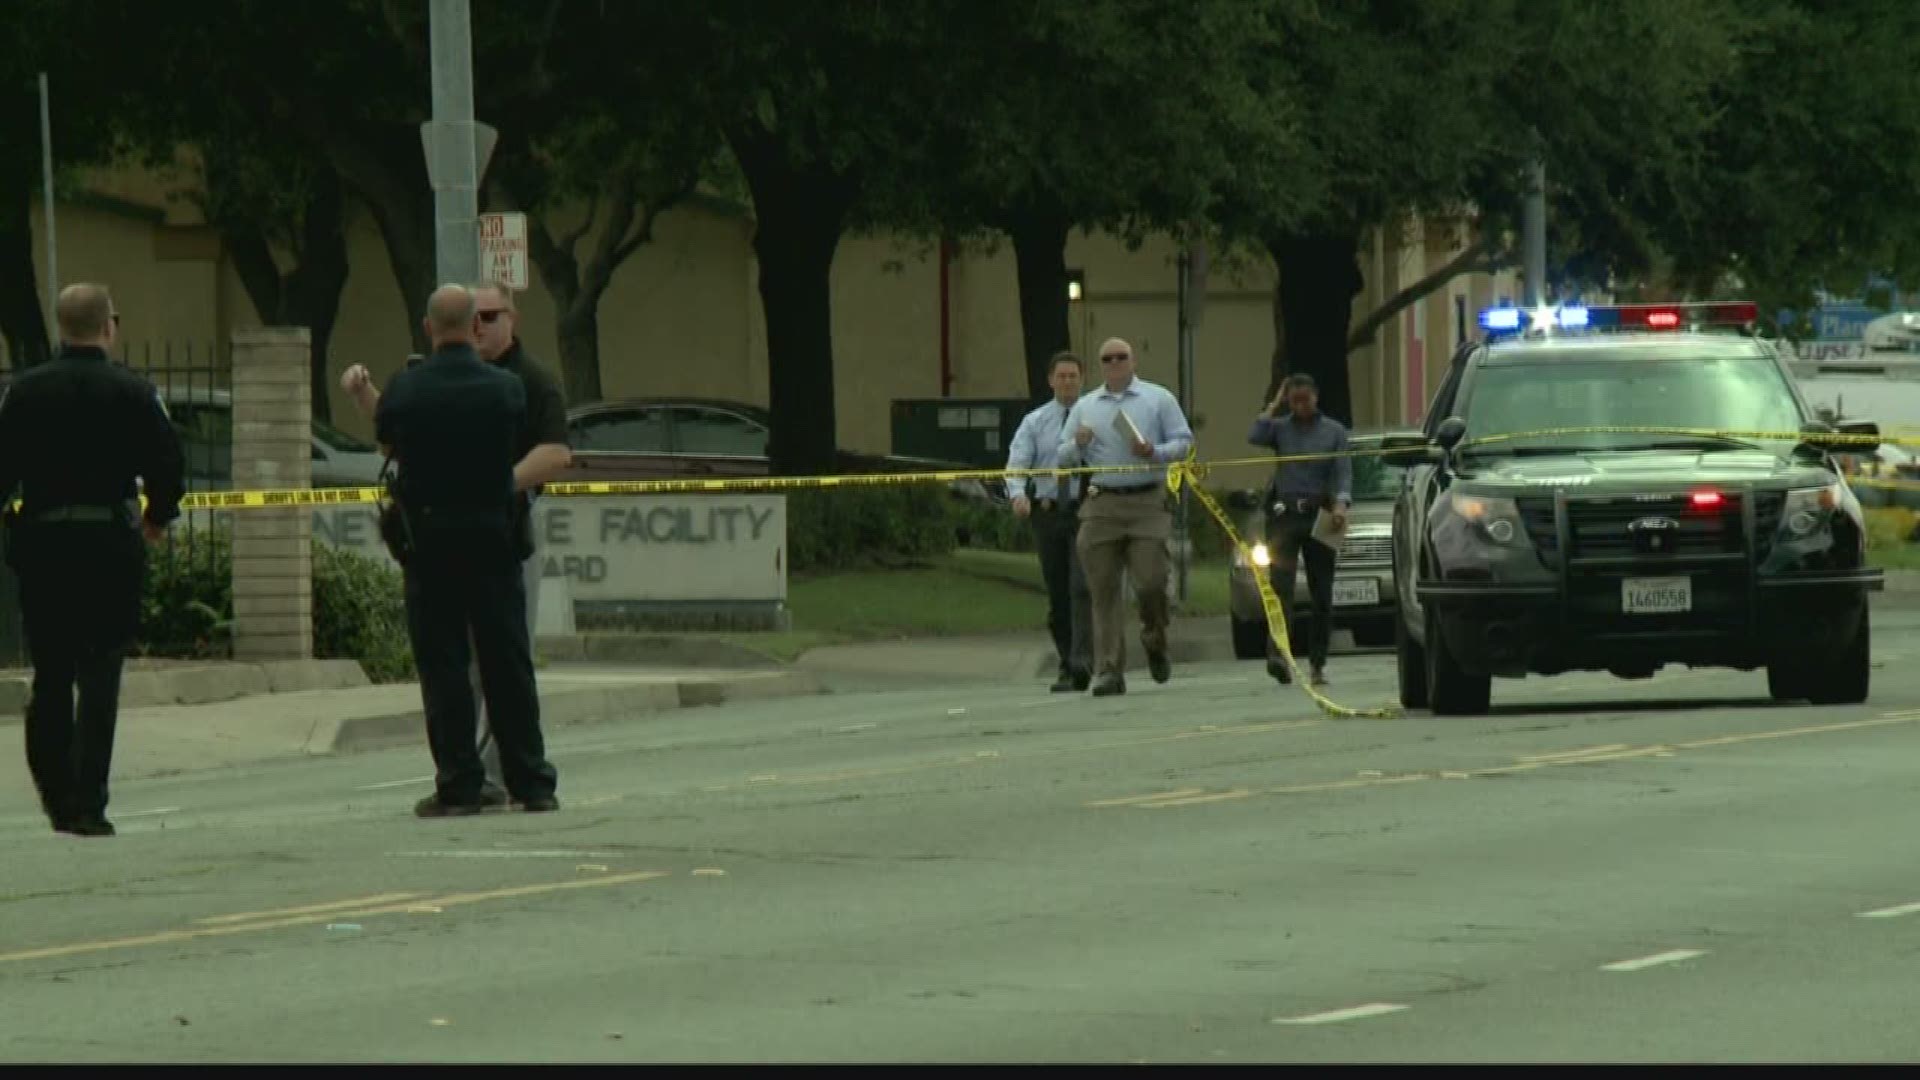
(396, 531)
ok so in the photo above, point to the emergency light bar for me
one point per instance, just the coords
(1510, 320)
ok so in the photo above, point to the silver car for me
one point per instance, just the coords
(204, 418)
(1363, 590)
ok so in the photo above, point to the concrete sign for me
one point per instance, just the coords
(647, 549)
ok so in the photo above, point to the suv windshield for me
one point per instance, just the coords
(1723, 393)
(1374, 480)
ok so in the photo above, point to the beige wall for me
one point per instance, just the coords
(683, 316)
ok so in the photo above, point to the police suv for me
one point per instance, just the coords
(1721, 534)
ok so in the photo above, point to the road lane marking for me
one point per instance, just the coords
(1148, 798)
(488, 853)
(1890, 912)
(310, 909)
(1673, 956)
(148, 813)
(167, 937)
(395, 783)
(1590, 756)
(1358, 1012)
(1197, 800)
(1582, 752)
(855, 727)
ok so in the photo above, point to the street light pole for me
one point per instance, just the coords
(1184, 550)
(453, 164)
(46, 198)
(1534, 224)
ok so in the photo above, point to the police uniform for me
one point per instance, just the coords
(455, 425)
(546, 423)
(75, 433)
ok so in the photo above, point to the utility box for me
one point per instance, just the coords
(969, 431)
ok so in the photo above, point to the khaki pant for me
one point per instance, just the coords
(1126, 533)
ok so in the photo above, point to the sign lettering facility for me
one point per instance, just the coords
(639, 548)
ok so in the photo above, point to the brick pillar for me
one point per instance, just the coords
(272, 448)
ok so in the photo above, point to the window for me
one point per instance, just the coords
(631, 431)
(1727, 393)
(700, 430)
(206, 438)
(1375, 480)
(335, 439)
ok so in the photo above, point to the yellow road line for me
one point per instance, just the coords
(310, 909)
(1148, 798)
(1588, 756)
(166, 937)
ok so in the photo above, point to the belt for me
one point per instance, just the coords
(83, 513)
(1131, 489)
(1299, 505)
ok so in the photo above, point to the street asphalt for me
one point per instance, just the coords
(1210, 870)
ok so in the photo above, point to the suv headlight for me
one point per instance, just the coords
(1495, 519)
(1809, 510)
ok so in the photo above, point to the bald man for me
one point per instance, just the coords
(76, 543)
(1126, 519)
(454, 425)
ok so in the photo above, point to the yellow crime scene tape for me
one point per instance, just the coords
(1179, 475)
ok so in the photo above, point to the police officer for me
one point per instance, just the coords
(544, 455)
(454, 425)
(1054, 510)
(76, 543)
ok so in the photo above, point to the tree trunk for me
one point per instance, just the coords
(311, 297)
(1040, 250)
(21, 319)
(1319, 277)
(389, 173)
(580, 349)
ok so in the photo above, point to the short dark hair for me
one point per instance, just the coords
(1299, 380)
(1065, 356)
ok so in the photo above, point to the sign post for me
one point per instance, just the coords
(503, 250)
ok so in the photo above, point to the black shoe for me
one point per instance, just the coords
(90, 825)
(1278, 669)
(493, 796)
(433, 806)
(1319, 676)
(1159, 666)
(1109, 685)
(1065, 683)
(1082, 680)
(540, 804)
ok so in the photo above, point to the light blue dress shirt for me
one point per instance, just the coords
(1036, 445)
(1152, 408)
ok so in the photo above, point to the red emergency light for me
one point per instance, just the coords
(1707, 500)
(1678, 316)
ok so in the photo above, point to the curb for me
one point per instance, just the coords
(205, 684)
(662, 650)
(568, 708)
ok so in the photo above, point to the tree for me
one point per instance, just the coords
(1053, 129)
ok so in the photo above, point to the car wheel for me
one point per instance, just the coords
(1249, 639)
(1412, 663)
(1450, 690)
(1844, 681)
(1784, 682)
(1375, 633)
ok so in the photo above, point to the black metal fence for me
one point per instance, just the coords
(188, 608)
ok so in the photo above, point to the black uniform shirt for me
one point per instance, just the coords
(455, 425)
(77, 431)
(546, 404)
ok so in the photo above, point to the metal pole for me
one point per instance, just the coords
(453, 166)
(46, 198)
(1185, 553)
(1535, 225)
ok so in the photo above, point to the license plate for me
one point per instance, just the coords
(1656, 596)
(1355, 591)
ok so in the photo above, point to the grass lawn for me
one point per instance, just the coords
(968, 592)
(1887, 532)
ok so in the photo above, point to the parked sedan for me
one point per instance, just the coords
(204, 418)
(672, 438)
(1363, 589)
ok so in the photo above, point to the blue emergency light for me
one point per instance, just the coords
(1542, 320)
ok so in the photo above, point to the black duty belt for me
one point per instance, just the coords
(1131, 489)
(1294, 505)
(83, 513)
(1054, 504)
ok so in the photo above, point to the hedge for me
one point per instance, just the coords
(359, 612)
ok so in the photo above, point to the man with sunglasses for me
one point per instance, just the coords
(544, 452)
(1126, 519)
(75, 543)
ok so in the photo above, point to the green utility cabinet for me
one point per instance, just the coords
(969, 431)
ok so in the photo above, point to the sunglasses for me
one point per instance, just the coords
(490, 317)
(1115, 358)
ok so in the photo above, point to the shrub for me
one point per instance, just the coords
(840, 528)
(359, 608)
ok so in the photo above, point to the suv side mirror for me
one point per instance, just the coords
(1406, 449)
(1815, 429)
(1862, 427)
(1450, 432)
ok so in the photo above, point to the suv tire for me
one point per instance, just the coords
(1452, 692)
(1249, 639)
(1845, 679)
(1412, 663)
